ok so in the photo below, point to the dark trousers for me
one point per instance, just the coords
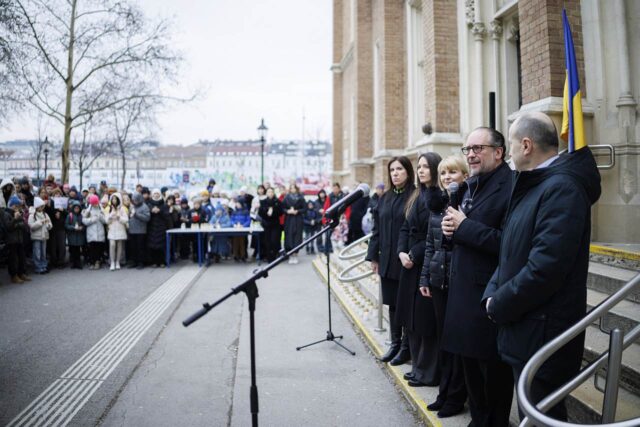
(57, 248)
(184, 243)
(324, 242)
(272, 242)
(490, 390)
(541, 389)
(453, 390)
(157, 256)
(95, 252)
(424, 357)
(138, 248)
(16, 259)
(74, 255)
(397, 335)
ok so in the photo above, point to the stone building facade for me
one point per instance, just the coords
(418, 75)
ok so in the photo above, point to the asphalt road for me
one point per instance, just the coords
(198, 375)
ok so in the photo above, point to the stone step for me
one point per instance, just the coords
(625, 315)
(597, 342)
(609, 279)
(584, 405)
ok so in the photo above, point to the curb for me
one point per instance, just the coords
(414, 399)
(613, 252)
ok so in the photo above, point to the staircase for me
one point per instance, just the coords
(606, 275)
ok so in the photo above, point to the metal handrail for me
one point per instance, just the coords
(609, 147)
(535, 415)
(343, 255)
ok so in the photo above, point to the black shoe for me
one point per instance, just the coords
(408, 376)
(415, 383)
(390, 354)
(450, 410)
(436, 406)
(401, 358)
(139, 266)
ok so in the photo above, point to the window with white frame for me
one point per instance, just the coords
(415, 71)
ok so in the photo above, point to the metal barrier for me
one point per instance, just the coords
(535, 415)
(344, 255)
(610, 148)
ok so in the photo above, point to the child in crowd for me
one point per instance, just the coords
(39, 224)
(117, 219)
(94, 220)
(312, 220)
(76, 238)
(184, 241)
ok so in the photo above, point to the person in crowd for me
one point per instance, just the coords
(103, 189)
(174, 211)
(26, 189)
(84, 196)
(39, 225)
(14, 225)
(65, 190)
(239, 218)
(413, 311)
(93, 189)
(94, 220)
(312, 220)
(373, 200)
(257, 239)
(270, 210)
(212, 184)
(76, 236)
(146, 194)
(139, 216)
(324, 241)
(163, 191)
(8, 189)
(197, 215)
(357, 211)
(382, 252)
(184, 241)
(540, 286)
(57, 244)
(434, 285)
(220, 244)
(294, 207)
(117, 220)
(50, 182)
(475, 231)
(159, 223)
(74, 195)
(104, 203)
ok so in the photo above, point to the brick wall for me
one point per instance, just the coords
(364, 80)
(394, 75)
(338, 13)
(441, 65)
(542, 47)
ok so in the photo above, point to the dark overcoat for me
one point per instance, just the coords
(293, 224)
(539, 289)
(413, 310)
(158, 225)
(476, 242)
(388, 217)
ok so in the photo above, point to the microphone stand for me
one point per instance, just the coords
(250, 288)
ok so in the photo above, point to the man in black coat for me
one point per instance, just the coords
(539, 288)
(475, 233)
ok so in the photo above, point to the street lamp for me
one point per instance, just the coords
(46, 147)
(262, 131)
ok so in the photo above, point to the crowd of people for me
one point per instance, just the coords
(479, 275)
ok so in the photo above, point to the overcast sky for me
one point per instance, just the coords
(255, 59)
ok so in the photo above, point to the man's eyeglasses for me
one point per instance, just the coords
(475, 148)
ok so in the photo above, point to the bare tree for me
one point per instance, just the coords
(86, 57)
(88, 149)
(10, 23)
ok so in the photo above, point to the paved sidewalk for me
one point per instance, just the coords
(200, 375)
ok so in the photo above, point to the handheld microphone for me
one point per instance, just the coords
(454, 200)
(338, 208)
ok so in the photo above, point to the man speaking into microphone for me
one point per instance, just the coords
(474, 230)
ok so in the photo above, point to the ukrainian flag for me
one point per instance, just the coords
(572, 125)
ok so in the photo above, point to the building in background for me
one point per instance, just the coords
(232, 164)
(418, 75)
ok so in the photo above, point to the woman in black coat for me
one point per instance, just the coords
(414, 311)
(293, 206)
(157, 227)
(434, 284)
(270, 211)
(388, 217)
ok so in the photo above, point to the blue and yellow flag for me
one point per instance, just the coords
(572, 125)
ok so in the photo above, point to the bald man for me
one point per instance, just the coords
(540, 286)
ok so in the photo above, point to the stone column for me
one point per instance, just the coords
(496, 34)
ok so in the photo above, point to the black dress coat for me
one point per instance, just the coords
(539, 289)
(158, 225)
(388, 218)
(467, 330)
(293, 224)
(414, 311)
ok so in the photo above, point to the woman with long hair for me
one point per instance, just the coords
(414, 312)
(269, 212)
(388, 217)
